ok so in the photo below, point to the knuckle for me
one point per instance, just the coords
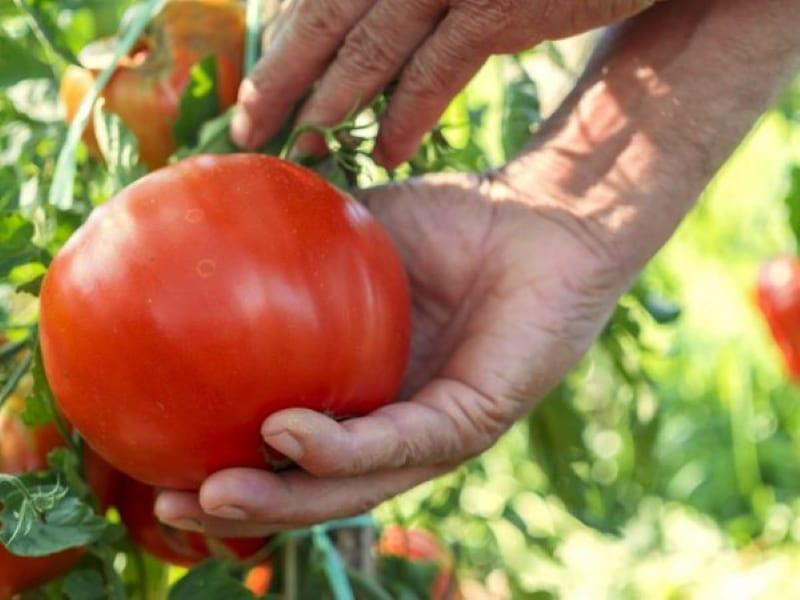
(320, 18)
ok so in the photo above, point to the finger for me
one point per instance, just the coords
(446, 423)
(298, 499)
(439, 70)
(182, 510)
(372, 54)
(310, 34)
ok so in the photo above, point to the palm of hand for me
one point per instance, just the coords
(506, 298)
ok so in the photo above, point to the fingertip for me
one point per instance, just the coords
(241, 128)
(178, 509)
(391, 155)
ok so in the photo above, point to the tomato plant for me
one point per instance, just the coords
(24, 450)
(418, 545)
(147, 85)
(232, 287)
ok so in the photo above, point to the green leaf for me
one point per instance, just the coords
(46, 29)
(16, 243)
(41, 515)
(17, 63)
(40, 405)
(119, 147)
(209, 581)
(199, 102)
(404, 578)
(661, 309)
(792, 201)
(84, 585)
(521, 113)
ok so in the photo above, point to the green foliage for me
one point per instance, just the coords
(679, 413)
(210, 580)
(199, 103)
(42, 516)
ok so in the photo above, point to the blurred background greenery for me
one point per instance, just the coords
(668, 464)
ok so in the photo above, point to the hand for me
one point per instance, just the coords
(509, 291)
(514, 274)
(356, 49)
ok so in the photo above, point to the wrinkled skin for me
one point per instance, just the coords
(353, 50)
(146, 88)
(135, 503)
(232, 287)
(24, 450)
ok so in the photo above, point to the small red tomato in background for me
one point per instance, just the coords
(421, 545)
(146, 88)
(24, 450)
(778, 297)
(209, 295)
(258, 579)
(182, 548)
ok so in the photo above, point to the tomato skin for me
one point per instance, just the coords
(146, 88)
(185, 549)
(24, 450)
(421, 545)
(778, 296)
(232, 287)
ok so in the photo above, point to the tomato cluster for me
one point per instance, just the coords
(146, 88)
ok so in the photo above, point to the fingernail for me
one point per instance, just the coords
(185, 524)
(285, 443)
(234, 513)
(241, 128)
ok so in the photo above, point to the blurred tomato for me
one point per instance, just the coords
(230, 287)
(174, 546)
(421, 545)
(147, 86)
(258, 580)
(778, 297)
(24, 450)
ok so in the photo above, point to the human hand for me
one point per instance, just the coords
(514, 274)
(356, 49)
(509, 290)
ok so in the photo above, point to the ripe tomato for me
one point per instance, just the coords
(420, 545)
(146, 88)
(209, 295)
(778, 296)
(23, 450)
(176, 547)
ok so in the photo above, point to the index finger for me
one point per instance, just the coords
(309, 34)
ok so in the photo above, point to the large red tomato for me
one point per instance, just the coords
(779, 299)
(421, 545)
(146, 88)
(24, 450)
(182, 548)
(209, 295)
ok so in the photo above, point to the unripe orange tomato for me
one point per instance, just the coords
(146, 88)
